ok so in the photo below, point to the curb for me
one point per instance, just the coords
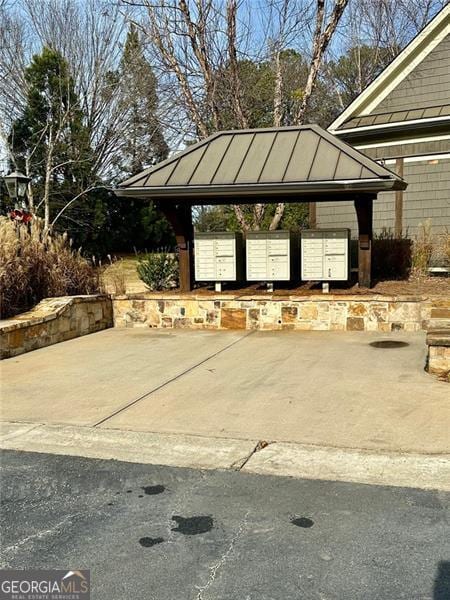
(249, 456)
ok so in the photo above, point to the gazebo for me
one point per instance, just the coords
(246, 166)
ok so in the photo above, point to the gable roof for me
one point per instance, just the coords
(410, 57)
(287, 160)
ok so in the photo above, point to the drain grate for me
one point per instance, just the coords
(388, 344)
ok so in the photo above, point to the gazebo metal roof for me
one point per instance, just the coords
(292, 162)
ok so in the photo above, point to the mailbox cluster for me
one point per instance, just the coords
(273, 256)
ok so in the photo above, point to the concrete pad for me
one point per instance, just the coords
(83, 380)
(331, 464)
(147, 448)
(322, 388)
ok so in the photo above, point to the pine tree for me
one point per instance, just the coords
(50, 140)
(144, 144)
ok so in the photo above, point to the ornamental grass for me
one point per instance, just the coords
(35, 264)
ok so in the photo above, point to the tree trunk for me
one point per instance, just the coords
(47, 177)
(240, 217)
(278, 92)
(232, 55)
(320, 44)
(30, 196)
(279, 211)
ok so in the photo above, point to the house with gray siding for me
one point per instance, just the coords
(402, 120)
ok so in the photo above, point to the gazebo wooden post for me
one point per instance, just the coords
(364, 215)
(312, 216)
(180, 218)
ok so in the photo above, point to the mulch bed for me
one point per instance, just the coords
(430, 286)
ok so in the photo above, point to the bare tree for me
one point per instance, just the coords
(372, 34)
(324, 31)
(391, 24)
(198, 43)
(90, 36)
(196, 48)
(234, 66)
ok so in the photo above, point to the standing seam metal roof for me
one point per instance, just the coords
(257, 157)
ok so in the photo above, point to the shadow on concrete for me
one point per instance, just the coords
(441, 590)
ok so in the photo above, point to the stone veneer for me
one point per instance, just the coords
(54, 320)
(310, 313)
(438, 363)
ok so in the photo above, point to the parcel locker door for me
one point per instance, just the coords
(226, 268)
(335, 267)
(278, 268)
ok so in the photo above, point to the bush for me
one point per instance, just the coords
(159, 271)
(391, 256)
(35, 265)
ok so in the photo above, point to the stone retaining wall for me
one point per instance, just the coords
(54, 320)
(58, 319)
(310, 313)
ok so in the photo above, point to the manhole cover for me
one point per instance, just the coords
(388, 344)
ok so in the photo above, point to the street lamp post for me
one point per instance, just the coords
(16, 184)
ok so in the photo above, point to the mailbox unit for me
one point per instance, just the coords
(270, 255)
(218, 256)
(325, 254)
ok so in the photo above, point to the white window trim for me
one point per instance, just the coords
(411, 159)
(434, 138)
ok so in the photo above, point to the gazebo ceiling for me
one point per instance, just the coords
(254, 163)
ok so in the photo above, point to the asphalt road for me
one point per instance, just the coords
(161, 533)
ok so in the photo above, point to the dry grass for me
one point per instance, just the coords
(440, 256)
(35, 265)
(422, 250)
(114, 277)
(429, 250)
(120, 276)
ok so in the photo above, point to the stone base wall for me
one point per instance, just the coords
(438, 341)
(308, 313)
(58, 319)
(54, 320)
(439, 361)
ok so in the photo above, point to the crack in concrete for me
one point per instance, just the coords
(165, 383)
(213, 569)
(239, 464)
